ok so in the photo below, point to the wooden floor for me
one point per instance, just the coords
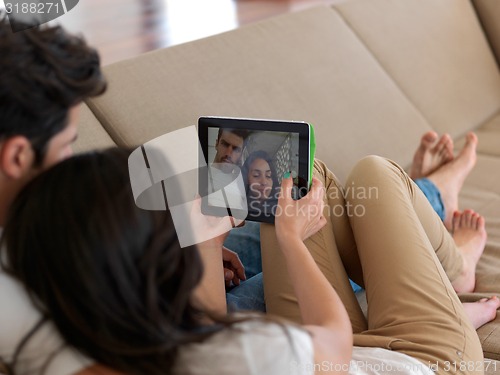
(122, 29)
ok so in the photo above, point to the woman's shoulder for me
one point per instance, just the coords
(250, 346)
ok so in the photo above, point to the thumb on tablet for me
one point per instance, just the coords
(286, 186)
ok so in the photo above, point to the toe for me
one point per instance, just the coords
(474, 219)
(463, 220)
(468, 218)
(481, 222)
(456, 220)
(447, 140)
(495, 300)
(494, 303)
(471, 138)
(441, 145)
(429, 138)
(449, 149)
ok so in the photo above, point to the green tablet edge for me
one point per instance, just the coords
(312, 152)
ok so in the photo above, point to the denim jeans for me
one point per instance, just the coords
(432, 194)
(249, 295)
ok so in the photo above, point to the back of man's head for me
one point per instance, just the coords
(44, 71)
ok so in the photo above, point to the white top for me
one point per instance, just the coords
(249, 348)
(17, 317)
(256, 348)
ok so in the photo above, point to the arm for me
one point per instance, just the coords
(211, 232)
(231, 269)
(210, 293)
(221, 266)
(321, 309)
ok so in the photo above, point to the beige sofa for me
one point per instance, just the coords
(371, 75)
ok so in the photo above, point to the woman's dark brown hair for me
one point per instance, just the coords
(112, 277)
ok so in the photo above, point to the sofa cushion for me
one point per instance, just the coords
(489, 15)
(306, 66)
(481, 192)
(491, 367)
(489, 137)
(487, 272)
(91, 134)
(481, 187)
(483, 181)
(489, 335)
(436, 52)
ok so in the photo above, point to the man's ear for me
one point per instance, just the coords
(16, 156)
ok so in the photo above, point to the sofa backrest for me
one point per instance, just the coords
(306, 66)
(370, 75)
(436, 52)
(91, 134)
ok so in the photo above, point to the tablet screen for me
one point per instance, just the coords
(246, 160)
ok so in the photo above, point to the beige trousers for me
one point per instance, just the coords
(384, 235)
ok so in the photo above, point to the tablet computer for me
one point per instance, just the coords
(244, 161)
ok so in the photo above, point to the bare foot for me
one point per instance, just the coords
(482, 311)
(469, 235)
(431, 154)
(450, 177)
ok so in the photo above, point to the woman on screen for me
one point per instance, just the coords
(261, 183)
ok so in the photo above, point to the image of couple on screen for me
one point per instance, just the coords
(260, 158)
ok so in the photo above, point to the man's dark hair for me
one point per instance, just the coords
(44, 71)
(242, 133)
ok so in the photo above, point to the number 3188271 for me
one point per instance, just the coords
(31, 8)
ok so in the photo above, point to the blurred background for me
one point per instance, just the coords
(123, 29)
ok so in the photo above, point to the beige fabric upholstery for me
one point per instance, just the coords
(482, 193)
(488, 275)
(489, 137)
(491, 367)
(91, 134)
(436, 52)
(489, 15)
(306, 66)
(489, 335)
(482, 180)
